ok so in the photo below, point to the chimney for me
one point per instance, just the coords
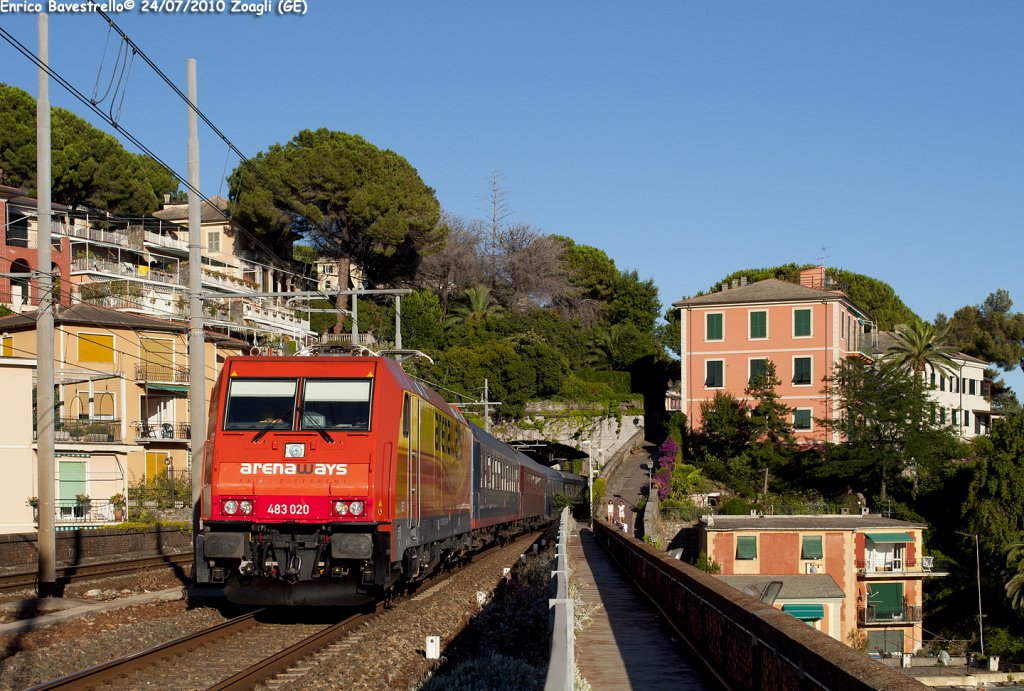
(743, 280)
(734, 283)
(167, 199)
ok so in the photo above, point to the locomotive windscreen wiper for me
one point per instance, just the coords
(269, 426)
(310, 421)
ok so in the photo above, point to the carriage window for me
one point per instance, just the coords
(336, 404)
(260, 403)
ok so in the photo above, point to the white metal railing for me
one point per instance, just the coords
(562, 665)
(165, 241)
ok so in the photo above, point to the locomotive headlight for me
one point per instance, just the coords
(356, 508)
(245, 506)
(231, 507)
(295, 450)
(340, 508)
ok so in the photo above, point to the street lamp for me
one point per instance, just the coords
(977, 558)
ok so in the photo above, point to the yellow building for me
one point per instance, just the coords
(122, 401)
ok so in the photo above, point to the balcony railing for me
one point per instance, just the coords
(907, 614)
(878, 566)
(72, 511)
(144, 430)
(165, 241)
(150, 372)
(69, 429)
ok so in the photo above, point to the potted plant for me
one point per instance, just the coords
(82, 505)
(118, 502)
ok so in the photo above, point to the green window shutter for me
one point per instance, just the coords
(802, 370)
(811, 547)
(713, 327)
(758, 324)
(886, 599)
(801, 322)
(801, 419)
(746, 547)
(715, 377)
(757, 368)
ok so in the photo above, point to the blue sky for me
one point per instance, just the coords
(685, 139)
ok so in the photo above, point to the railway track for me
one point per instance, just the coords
(241, 653)
(81, 572)
(237, 654)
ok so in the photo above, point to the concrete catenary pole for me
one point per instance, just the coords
(196, 356)
(47, 538)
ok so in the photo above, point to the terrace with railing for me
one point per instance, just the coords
(876, 614)
(891, 566)
(145, 430)
(87, 430)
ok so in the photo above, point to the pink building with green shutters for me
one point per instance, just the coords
(728, 336)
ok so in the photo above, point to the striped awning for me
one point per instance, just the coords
(805, 612)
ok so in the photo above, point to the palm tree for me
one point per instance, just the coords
(1015, 565)
(921, 345)
(478, 306)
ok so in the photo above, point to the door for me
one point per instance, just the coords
(157, 359)
(413, 484)
(71, 483)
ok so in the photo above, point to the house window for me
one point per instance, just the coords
(802, 419)
(802, 371)
(746, 547)
(713, 330)
(842, 325)
(942, 416)
(715, 374)
(942, 382)
(96, 347)
(759, 324)
(801, 323)
(213, 241)
(810, 547)
(757, 368)
(973, 390)
(953, 417)
(967, 418)
(932, 381)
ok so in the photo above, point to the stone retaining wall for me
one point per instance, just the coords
(19, 551)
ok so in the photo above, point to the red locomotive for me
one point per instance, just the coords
(332, 480)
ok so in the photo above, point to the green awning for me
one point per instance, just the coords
(890, 537)
(172, 388)
(805, 612)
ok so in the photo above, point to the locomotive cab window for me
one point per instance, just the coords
(336, 404)
(260, 404)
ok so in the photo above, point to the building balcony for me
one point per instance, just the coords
(87, 431)
(110, 237)
(165, 241)
(123, 270)
(146, 431)
(160, 373)
(897, 568)
(873, 615)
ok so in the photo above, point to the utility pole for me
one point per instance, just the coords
(45, 435)
(487, 410)
(398, 322)
(196, 342)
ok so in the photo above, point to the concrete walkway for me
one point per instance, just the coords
(624, 645)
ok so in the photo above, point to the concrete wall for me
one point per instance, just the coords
(749, 644)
